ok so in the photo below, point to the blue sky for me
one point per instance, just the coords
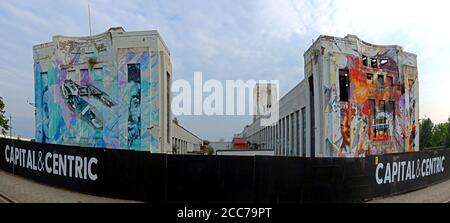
(261, 40)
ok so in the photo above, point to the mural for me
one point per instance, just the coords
(371, 104)
(89, 96)
(134, 111)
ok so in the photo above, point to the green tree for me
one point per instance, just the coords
(3, 121)
(210, 150)
(447, 140)
(426, 132)
(439, 135)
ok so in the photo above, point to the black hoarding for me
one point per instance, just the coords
(165, 178)
(398, 173)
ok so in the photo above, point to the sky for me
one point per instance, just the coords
(229, 40)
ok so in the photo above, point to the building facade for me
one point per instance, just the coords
(109, 90)
(356, 99)
(184, 141)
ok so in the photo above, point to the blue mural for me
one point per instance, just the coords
(89, 96)
(134, 109)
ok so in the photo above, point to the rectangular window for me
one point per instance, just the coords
(382, 107)
(134, 107)
(369, 77)
(297, 133)
(278, 136)
(381, 120)
(380, 82)
(292, 134)
(284, 136)
(384, 62)
(168, 108)
(312, 125)
(374, 63)
(364, 60)
(304, 132)
(390, 109)
(344, 84)
(373, 113)
(288, 147)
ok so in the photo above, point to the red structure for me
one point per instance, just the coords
(239, 143)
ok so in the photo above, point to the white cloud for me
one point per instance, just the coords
(262, 39)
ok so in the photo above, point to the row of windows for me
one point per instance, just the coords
(285, 137)
(374, 62)
(344, 83)
(179, 146)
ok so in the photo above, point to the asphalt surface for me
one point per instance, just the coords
(15, 189)
(437, 193)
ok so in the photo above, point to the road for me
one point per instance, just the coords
(15, 189)
(438, 193)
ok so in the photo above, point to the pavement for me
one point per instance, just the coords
(16, 189)
(437, 193)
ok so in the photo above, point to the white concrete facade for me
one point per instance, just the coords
(184, 141)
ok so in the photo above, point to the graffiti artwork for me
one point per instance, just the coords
(134, 112)
(73, 94)
(89, 93)
(375, 101)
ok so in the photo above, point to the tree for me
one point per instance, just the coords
(210, 150)
(426, 132)
(439, 135)
(447, 140)
(3, 121)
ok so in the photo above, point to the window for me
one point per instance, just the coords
(382, 106)
(297, 133)
(381, 115)
(283, 135)
(384, 62)
(374, 62)
(369, 78)
(304, 132)
(364, 60)
(344, 84)
(390, 109)
(292, 134)
(288, 146)
(380, 82)
(373, 113)
(168, 107)
(278, 136)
